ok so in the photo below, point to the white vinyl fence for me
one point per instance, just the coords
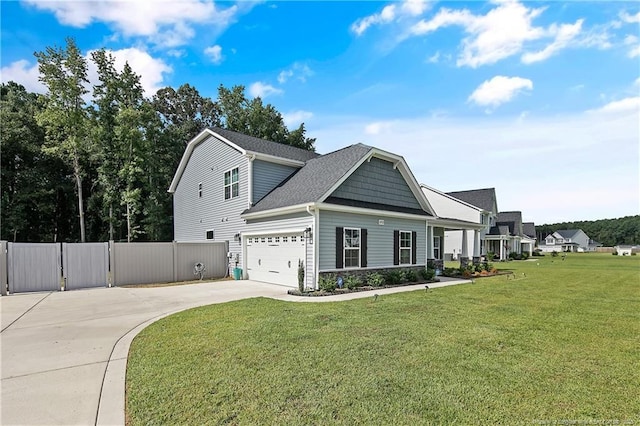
(46, 266)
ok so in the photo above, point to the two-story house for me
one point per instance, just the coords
(358, 208)
(572, 240)
(484, 201)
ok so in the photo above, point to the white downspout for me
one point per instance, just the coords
(313, 248)
(250, 181)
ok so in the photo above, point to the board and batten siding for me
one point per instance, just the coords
(194, 215)
(266, 176)
(380, 237)
(281, 225)
(376, 181)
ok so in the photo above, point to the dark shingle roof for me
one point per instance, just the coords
(511, 219)
(499, 230)
(313, 180)
(529, 229)
(263, 146)
(568, 233)
(482, 198)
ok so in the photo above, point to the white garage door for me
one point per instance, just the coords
(274, 258)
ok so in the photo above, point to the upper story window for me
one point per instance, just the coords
(436, 247)
(405, 248)
(351, 247)
(231, 184)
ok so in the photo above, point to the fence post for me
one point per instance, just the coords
(112, 264)
(3, 268)
(175, 261)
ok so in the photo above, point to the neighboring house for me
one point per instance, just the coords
(529, 239)
(508, 236)
(355, 209)
(485, 202)
(574, 240)
(467, 224)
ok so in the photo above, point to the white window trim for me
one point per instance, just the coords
(400, 248)
(230, 185)
(345, 248)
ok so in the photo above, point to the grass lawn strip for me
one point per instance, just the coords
(559, 343)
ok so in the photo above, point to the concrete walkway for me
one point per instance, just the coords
(64, 354)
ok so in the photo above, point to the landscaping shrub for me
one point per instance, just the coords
(352, 281)
(524, 255)
(428, 274)
(450, 272)
(327, 282)
(393, 277)
(555, 254)
(411, 276)
(301, 276)
(375, 279)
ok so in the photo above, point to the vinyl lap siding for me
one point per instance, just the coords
(380, 237)
(376, 181)
(266, 176)
(193, 215)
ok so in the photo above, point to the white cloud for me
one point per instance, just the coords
(299, 71)
(634, 52)
(262, 90)
(378, 127)
(622, 106)
(630, 19)
(214, 53)
(497, 35)
(294, 118)
(499, 89)
(435, 58)
(23, 73)
(390, 13)
(164, 22)
(634, 42)
(564, 35)
(151, 70)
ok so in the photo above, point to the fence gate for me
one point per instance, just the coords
(33, 267)
(85, 265)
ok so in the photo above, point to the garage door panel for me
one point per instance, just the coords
(274, 258)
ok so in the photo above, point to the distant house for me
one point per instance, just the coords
(571, 240)
(508, 235)
(485, 203)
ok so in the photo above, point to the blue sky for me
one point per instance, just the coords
(540, 100)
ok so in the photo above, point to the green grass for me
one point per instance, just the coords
(561, 342)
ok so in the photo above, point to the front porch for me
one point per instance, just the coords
(435, 241)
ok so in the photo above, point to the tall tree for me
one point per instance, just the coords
(254, 118)
(64, 117)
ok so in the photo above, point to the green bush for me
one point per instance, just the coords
(393, 277)
(375, 279)
(524, 255)
(555, 254)
(327, 282)
(301, 276)
(450, 272)
(428, 274)
(411, 275)
(352, 281)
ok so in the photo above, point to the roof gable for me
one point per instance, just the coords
(323, 175)
(483, 198)
(246, 145)
(529, 229)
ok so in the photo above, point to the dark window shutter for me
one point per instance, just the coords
(414, 247)
(396, 247)
(339, 247)
(363, 248)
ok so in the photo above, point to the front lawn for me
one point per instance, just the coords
(560, 342)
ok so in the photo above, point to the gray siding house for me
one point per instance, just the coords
(358, 208)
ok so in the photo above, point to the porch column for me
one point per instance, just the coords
(464, 256)
(429, 243)
(476, 247)
(501, 242)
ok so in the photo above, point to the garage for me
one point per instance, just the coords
(274, 258)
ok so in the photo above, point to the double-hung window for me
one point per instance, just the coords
(351, 247)
(405, 248)
(231, 184)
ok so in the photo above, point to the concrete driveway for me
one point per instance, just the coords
(64, 354)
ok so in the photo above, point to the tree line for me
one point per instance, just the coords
(91, 163)
(609, 232)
